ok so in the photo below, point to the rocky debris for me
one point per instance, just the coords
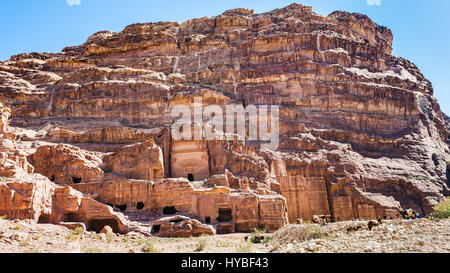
(107, 230)
(180, 227)
(400, 236)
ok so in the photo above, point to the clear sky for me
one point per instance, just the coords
(421, 28)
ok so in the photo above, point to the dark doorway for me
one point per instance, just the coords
(156, 229)
(52, 178)
(77, 180)
(140, 205)
(122, 207)
(191, 177)
(71, 217)
(225, 215)
(169, 210)
(207, 220)
(44, 219)
(98, 224)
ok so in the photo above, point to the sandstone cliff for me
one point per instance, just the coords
(361, 133)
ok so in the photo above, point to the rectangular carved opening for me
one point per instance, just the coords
(225, 215)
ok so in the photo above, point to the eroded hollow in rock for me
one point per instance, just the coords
(225, 215)
(169, 210)
(98, 224)
(140, 205)
(71, 217)
(52, 178)
(207, 220)
(191, 177)
(77, 180)
(156, 229)
(44, 219)
(122, 207)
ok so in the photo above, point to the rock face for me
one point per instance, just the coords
(361, 134)
(28, 195)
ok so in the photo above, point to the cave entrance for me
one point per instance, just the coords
(140, 205)
(52, 178)
(122, 207)
(169, 210)
(77, 180)
(207, 220)
(71, 217)
(191, 177)
(225, 215)
(156, 229)
(44, 219)
(98, 224)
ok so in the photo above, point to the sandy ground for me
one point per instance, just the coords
(412, 236)
(25, 237)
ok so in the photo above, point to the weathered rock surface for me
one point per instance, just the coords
(361, 134)
(180, 227)
(28, 195)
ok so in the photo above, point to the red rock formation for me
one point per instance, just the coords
(360, 131)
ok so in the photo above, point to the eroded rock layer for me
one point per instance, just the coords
(361, 134)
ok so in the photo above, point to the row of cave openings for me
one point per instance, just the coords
(75, 180)
(95, 224)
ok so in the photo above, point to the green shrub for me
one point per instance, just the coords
(72, 237)
(315, 231)
(78, 230)
(3, 179)
(442, 210)
(256, 236)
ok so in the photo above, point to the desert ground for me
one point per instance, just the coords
(402, 236)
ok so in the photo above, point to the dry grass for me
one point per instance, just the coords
(442, 210)
(245, 247)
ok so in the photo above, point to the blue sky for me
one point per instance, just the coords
(421, 28)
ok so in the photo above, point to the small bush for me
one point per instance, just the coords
(3, 179)
(25, 242)
(201, 245)
(72, 237)
(149, 248)
(92, 250)
(416, 178)
(222, 244)
(78, 230)
(245, 247)
(442, 210)
(256, 236)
